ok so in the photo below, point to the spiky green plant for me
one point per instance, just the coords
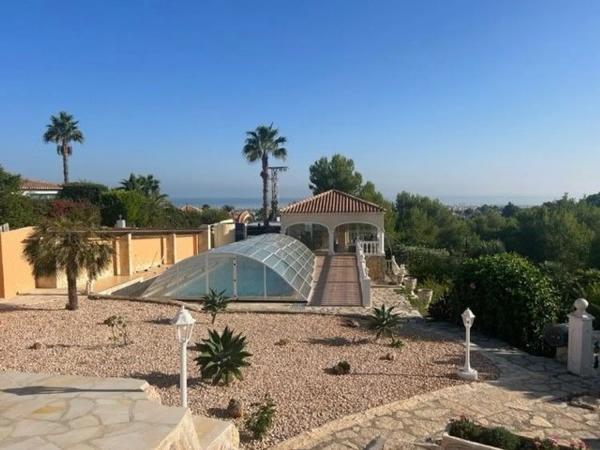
(222, 356)
(261, 420)
(214, 303)
(384, 321)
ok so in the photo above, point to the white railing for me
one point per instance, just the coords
(363, 274)
(369, 247)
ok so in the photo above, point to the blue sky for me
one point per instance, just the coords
(444, 98)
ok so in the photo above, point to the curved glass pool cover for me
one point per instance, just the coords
(270, 266)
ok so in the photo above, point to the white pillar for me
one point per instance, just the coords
(331, 235)
(580, 353)
(381, 241)
(183, 374)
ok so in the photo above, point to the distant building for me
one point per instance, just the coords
(40, 189)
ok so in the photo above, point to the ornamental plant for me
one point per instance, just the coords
(384, 321)
(214, 303)
(261, 419)
(118, 328)
(222, 356)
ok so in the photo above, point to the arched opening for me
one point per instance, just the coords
(346, 235)
(313, 235)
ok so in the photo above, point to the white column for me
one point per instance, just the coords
(183, 374)
(331, 235)
(580, 353)
(381, 241)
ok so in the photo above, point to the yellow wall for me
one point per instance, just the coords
(132, 253)
(186, 246)
(15, 271)
(147, 251)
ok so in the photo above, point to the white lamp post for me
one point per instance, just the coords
(467, 372)
(184, 322)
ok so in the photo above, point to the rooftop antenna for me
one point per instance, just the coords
(275, 170)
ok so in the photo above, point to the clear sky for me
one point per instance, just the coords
(444, 98)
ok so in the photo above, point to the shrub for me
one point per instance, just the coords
(222, 356)
(396, 343)
(132, 206)
(383, 321)
(83, 191)
(440, 309)
(512, 299)
(341, 368)
(214, 303)
(259, 422)
(499, 437)
(74, 210)
(434, 264)
(118, 328)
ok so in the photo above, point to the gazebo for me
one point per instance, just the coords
(333, 222)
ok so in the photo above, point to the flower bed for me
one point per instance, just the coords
(463, 433)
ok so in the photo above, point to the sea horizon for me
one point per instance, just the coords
(449, 200)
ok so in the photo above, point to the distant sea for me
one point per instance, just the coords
(255, 203)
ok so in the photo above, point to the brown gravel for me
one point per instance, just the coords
(294, 374)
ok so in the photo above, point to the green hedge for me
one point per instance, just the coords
(511, 298)
(426, 263)
(83, 191)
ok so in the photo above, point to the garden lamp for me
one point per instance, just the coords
(184, 323)
(467, 372)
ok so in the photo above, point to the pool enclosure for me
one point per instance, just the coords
(266, 267)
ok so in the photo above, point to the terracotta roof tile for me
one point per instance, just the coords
(332, 201)
(36, 185)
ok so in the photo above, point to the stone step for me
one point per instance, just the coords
(216, 434)
(55, 412)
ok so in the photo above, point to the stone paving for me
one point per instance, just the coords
(53, 412)
(531, 397)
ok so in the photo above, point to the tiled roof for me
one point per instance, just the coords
(332, 201)
(36, 185)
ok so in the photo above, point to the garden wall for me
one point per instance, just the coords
(15, 272)
(133, 251)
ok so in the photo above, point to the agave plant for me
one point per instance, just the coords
(222, 356)
(384, 321)
(214, 303)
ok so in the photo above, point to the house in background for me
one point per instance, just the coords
(40, 189)
(334, 221)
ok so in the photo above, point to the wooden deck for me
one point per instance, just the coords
(336, 281)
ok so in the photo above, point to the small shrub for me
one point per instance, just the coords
(118, 328)
(464, 428)
(499, 437)
(341, 368)
(222, 356)
(214, 303)
(440, 309)
(259, 422)
(396, 343)
(384, 321)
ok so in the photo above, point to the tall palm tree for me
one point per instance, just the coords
(62, 130)
(71, 246)
(261, 143)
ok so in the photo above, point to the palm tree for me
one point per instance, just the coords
(62, 130)
(71, 246)
(261, 143)
(133, 183)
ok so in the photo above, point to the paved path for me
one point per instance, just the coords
(531, 397)
(56, 412)
(337, 281)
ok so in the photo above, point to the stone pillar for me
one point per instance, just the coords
(580, 353)
(331, 236)
(381, 242)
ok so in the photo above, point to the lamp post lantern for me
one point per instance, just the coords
(184, 323)
(467, 372)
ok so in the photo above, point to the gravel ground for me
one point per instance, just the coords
(294, 374)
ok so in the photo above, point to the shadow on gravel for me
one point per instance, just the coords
(337, 341)
(164, 380)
